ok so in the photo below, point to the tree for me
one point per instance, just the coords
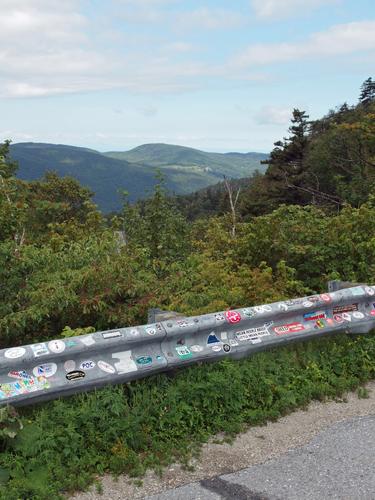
(367, 94)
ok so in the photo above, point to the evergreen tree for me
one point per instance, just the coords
(367, 94)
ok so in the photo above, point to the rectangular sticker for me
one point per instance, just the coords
(289, 328)
(313, 316)
(252, 333)
(344, 309)
(111, 335)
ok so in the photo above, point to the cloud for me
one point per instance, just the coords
(341, 39)
(273, 115)
(274, 9)
(205, 18)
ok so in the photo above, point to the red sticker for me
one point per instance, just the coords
(338, 318)
(233, 316)
(372, 313)
(290, 328)
(326, 297)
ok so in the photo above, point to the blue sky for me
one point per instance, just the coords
(215, 75)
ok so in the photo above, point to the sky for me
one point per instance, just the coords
(215, 75)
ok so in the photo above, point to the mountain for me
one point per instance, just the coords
(184, 158)
(185, 169)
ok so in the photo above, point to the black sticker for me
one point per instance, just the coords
(75, 375)
(226, 348)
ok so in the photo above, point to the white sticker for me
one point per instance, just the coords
(39, 350)
(46, 370)
(216, 348)
(307, 303)
(224, 336)
(256, 341)
(106, 367)
(111, 335)
(126, 364)
(56, 346)
(196, 348)
(233, 342)
(87, 365)
(358, 315)
(15, 352)
(369, 290)
(151, 330)
(88, 340)
(346, 316)
(69, 365)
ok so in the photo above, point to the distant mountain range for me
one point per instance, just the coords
(185, 169)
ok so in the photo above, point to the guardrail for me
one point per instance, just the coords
(48, 370)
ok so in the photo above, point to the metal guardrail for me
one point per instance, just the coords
(48, 370)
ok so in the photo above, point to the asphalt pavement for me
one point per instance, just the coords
(338, 463)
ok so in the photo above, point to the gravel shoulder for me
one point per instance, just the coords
(255, 446)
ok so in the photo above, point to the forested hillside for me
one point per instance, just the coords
(108, 174)
(309, 219)
(328, 163)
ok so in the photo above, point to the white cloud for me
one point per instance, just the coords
(273, 115)
(342, 39)
(205, 18)
(275, 9)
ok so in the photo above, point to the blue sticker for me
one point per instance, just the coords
(212, 339)
(144, 360)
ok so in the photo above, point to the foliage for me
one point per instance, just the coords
(153, 422)
(10, 424)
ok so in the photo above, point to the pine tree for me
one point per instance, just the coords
(367, 94)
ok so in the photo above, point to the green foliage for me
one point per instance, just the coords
(153, 422)
(157, 229)
(10, 424)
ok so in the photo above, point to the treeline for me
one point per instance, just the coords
(328, 163)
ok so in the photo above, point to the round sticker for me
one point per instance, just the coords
(216, 348)
(369, 290)
(15, 352)
(358, 315)
(87, 365)
(338, 318)
(106, 367)
(69, 365)
(326, 297)
(46, 370)
(307, 303)
(56, 346)
(226, 347)
(144, 360)
(196, 348)
(233, 316)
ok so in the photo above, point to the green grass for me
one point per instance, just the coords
(148, 424)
